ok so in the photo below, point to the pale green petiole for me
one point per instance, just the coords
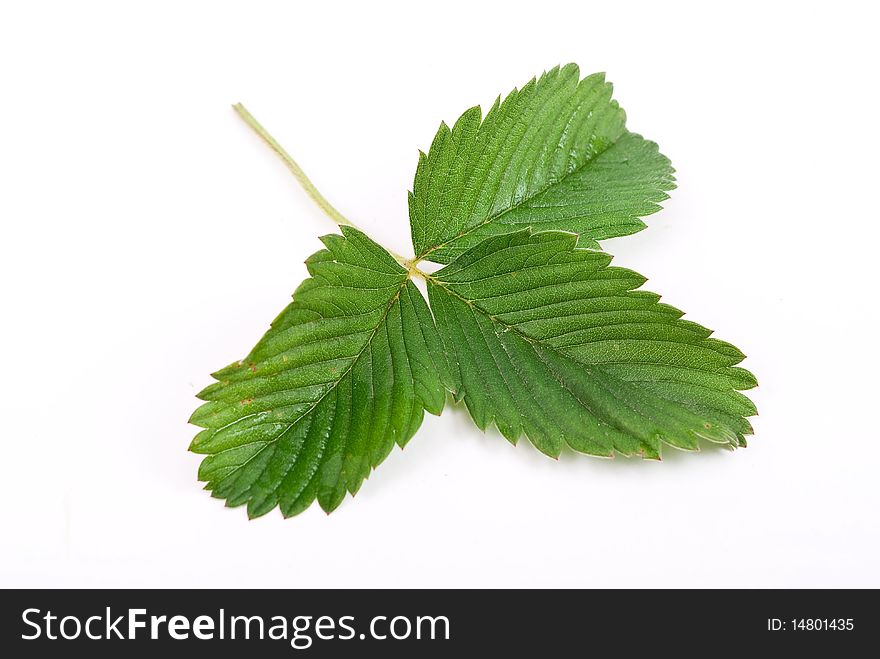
(309, 187)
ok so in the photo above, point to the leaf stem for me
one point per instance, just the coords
(310, 188)
(292, 165)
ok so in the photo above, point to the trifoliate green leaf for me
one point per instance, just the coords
(528, 324)
(344, 373)
(546, 339)
(553, 155)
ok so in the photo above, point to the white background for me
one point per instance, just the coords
(148, 238)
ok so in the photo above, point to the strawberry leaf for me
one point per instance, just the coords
(553, 155)
(548, 340)
(529, 325)
(345, 372)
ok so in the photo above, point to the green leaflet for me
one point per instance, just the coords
(553, 155)
(528, 323)
(344, 373)
(550, 341)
